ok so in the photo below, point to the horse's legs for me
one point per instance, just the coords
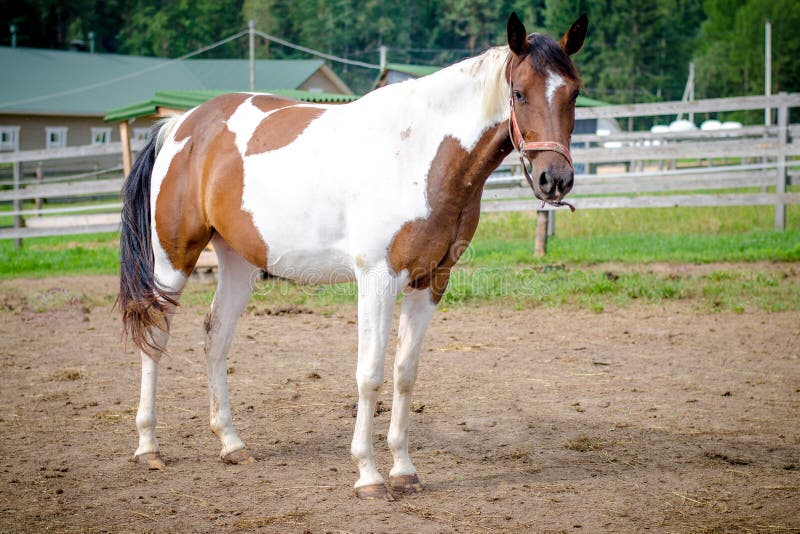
(147, 453)
(415, 315)
(377, 290)
(233, 293)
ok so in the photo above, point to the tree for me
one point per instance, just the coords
(173, 28)
(731, 58)
(635, 51)
(55, 24)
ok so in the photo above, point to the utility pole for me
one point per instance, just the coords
(688, 91)
(691, 89)
(251, 26)
(767, 70)
(383, 49)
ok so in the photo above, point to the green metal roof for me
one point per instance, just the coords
(586, 102)
(314, 96)
(57, 82)
(189, 99)
(414, 70)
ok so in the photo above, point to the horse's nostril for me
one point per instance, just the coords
(569, 182)
(545, 183)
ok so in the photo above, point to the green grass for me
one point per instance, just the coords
(692, 235)
(56, 256)
(642, 248)
(500, 266)
(725, 289)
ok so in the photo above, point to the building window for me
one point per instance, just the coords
(9, 138)
(141, 134)
(56, 136)
(101, 136)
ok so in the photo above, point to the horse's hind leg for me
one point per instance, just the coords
(233, 292)
(415, 315)
(147, 453)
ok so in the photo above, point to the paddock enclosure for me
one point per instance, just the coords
(657, 416)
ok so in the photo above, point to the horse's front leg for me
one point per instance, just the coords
(415, 315)
(377, 290)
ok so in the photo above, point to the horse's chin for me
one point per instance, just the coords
(547, 197)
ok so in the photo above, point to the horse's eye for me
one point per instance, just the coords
(575, 96)
(518, 96)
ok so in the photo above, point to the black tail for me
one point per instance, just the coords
(142, 301)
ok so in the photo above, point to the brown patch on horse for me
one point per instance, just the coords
(281, 128)
(429, 247)
(182, 229)
(202, 190)
(223, 198)
(272, 102)
(219, 108)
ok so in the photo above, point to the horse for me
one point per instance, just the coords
(384, 191)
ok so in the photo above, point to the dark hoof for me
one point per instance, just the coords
(405, 483)
(240, 457)
(375, 492)
(150, 460)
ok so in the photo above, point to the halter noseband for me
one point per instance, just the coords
(524, 147)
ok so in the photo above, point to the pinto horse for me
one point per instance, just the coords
(389, 196)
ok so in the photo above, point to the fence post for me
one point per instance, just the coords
(125, 139)
(540, 246)
(37, 202)
(16, 204)
(780, 183)
(551, 223)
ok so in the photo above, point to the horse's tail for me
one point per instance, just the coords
(142, 302)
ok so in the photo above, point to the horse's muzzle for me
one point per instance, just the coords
(553, 184)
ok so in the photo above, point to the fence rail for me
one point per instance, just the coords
(674, 168)
(637, 169)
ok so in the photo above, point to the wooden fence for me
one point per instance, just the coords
(88, 202)
(747, 166)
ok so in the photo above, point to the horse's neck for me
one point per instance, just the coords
(470, 100)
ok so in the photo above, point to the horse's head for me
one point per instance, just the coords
(544, 86)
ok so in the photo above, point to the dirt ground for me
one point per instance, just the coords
(552, 419)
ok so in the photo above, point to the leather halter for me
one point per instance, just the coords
(524, 148)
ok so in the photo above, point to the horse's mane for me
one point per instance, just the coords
(489, 70)
(546, 53)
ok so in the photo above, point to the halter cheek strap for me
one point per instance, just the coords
(524, 146)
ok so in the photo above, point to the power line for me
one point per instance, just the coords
(124, 76)
(317, 52)
(187, 56)
(437, 50)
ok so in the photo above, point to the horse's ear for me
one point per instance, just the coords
(573, 39)
(517, 36)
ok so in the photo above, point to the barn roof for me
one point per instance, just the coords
(57, 82)
(184, 100)
(414, 70)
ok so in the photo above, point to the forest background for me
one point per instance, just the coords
(636, 51)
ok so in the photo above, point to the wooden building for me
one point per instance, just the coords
(55, 98)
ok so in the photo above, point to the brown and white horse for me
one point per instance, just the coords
(385, 191)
